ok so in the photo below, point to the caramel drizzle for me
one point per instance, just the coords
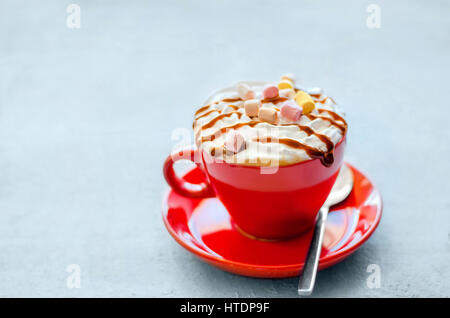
(309, 131)
(222, 130)
(274, 100)
(226, 100)
(230, 100)
(213, 121)
(322, 101)
(215, 111)
(326, 158)
(202, 109)
(207, 113)
(333, 114)
(234, 107)
(332, 121)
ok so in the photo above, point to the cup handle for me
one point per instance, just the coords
(180, 186)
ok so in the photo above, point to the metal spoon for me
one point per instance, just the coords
(341, 189)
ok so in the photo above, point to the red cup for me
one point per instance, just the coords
(268, 206)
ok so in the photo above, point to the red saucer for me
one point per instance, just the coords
(203, 227)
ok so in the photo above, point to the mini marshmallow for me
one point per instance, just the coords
(315, 91)
(245, 92)
(234, 142)
(289, 93)
(285, 84)
(291, 111)
(289, 77)
(270, 91)
(305, 102)
(251, 107)
(267, 114)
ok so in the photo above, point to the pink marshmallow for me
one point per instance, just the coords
(291, 111)
(270, 91)
(234, 142)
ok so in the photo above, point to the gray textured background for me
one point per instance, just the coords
(86, 117)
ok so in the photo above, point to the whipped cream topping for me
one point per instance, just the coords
(283, 142)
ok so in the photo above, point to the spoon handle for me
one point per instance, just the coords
(308, 276)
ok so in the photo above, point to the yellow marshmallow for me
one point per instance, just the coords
(284, 84)
(305, 101)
